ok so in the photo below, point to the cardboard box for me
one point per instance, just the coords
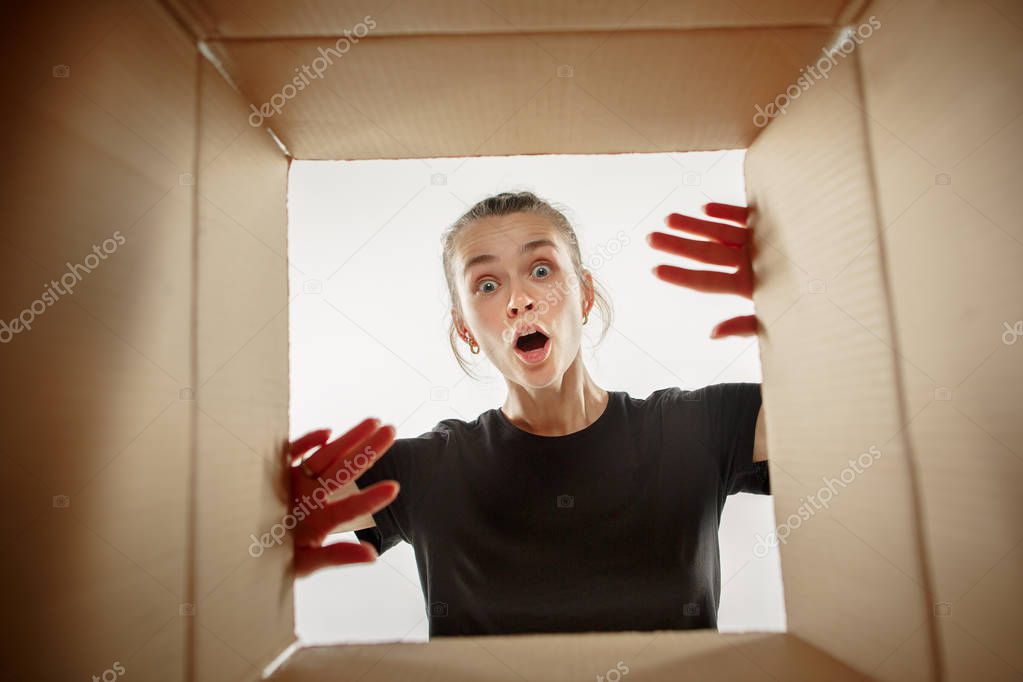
(145, 407)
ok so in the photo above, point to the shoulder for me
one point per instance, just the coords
(707, 402)
(444, 434)
(707, 395)
(673, 397)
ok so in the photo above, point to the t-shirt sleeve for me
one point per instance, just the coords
(411, 462)
(731, 414)
(388, 530)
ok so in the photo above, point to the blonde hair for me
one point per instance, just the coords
(507, 203)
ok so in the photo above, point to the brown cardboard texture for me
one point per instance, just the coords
(146, 409)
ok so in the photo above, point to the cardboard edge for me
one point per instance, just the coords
(192, 502)
(860, 14)
(851, 11)
(434, 35)
(191, 17)
(298, 655)
(209, 51)
(813, 647)
(282, 658)
(204, 24)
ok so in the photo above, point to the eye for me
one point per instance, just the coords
(480, 287)
(543, 269)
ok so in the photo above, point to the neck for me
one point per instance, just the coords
(568, 405)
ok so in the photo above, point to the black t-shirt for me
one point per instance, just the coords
(614, 527)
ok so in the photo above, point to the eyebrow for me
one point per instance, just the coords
(488, 258)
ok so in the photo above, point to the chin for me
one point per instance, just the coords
(536, 383)
(540, 377)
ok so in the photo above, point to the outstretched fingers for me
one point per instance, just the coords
(322, 458)
(702, 280)
(300, 446)
(325, 519)
(311, 559)
(720, 243)
(745, 325)
(702, 251)
(737, 214)
(719, 232)
(348, 464)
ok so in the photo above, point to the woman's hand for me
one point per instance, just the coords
(333, 466)
(729, 246)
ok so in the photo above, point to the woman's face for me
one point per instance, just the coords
(512, 271)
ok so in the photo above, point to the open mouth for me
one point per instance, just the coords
(530, 342)
(533, 348)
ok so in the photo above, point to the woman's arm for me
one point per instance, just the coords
(760, 438)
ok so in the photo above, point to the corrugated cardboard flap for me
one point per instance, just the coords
(665, 656)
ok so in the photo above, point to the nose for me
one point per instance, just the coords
(518, 303)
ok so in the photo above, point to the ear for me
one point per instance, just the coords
(460, 328)
(589, 293)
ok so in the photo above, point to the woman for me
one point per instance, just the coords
(571, 508)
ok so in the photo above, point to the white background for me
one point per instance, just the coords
(369, 316)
